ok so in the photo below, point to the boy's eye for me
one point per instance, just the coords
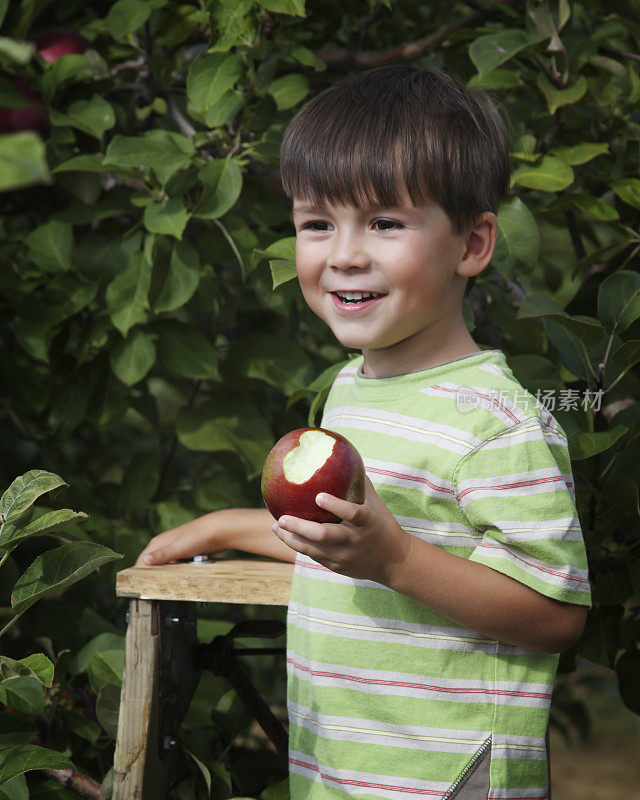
(388, 225)
(389, 222)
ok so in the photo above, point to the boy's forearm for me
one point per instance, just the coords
(247, 529)
(250, 530)
(483, 599)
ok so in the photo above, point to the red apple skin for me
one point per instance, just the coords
(26, 118)
(56, 42)
(342, 475)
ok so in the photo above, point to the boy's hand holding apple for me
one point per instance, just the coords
(350, 531)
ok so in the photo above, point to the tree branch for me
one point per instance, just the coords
(80, 783)
(343, 57)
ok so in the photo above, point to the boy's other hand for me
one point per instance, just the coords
(367, 543)
(171, 545)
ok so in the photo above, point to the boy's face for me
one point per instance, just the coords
(409, 257)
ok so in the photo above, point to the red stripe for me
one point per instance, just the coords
(534, 482)
(535, 566)
(378, 471)
(366, 784)
(492, 400)
(412, 685)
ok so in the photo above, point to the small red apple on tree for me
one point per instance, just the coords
(305, 462)
(53, 43)
(28, 117)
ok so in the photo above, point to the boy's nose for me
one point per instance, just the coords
(347, 252)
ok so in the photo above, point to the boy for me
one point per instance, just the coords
(424, 628)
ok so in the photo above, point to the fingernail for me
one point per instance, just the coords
(320, 498)
(149, 558)
(274, 527)
(282, 522)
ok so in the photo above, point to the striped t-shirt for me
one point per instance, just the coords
(387, 698)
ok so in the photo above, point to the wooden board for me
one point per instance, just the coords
(218, 581)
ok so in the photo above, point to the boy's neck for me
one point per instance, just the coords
(427, 349)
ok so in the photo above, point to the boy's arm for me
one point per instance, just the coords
(248, 529)
(369, 544)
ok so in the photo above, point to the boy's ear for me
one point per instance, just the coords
(480, 242)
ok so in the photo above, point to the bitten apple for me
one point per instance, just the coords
(305, 462)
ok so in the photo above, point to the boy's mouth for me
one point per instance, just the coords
(355, 300)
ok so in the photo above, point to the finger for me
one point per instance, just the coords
(313, 531)
(348, 512)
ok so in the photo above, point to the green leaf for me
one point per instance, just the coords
(219, 114)
(226, 423)
(23, 161)
(210, 76)
(518, 241)
(587, 204)
(272, 359)
(24, 693)
(562, 97)
(571, 349)
(25, 490)
(496, 79)
(35, 666)
(549, 175)
(619, 300)
(15, 789)
(94, 116)
(293, 7)
(41, 667)
(106, 667)
(108, 708)
(164, 151)
(232, 22)
(282, 262)
(50, 246)
(289, 90)
(586, 329)
(132, 358)
(181, 279)
(625, 357)
(628, 189)
(186, 352)
(104, 641)
(580, 153)
(128, 294)
(26, 757)
(57, 569)
(586, 445)
(45, 523)
(15, 729)
(127, 16)
(222, 180)
(169, 217)
(16, 52)
(72, 69)
(490, 51)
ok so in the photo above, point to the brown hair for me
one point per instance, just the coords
(365, 136)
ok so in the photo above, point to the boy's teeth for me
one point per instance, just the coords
(356, 295)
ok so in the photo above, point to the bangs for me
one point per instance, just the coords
(351, 159)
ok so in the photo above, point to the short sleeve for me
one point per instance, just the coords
(517, 489)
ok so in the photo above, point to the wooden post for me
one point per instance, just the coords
(138, 720)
